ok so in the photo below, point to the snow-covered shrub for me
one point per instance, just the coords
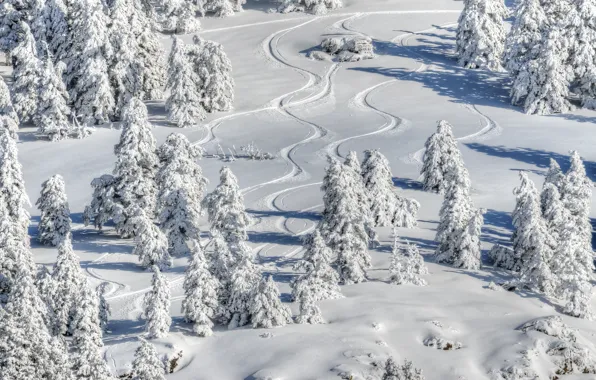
(255, 153)
(147, 364)
(407, 265)
(220, 8)
(266, 308)
(348, 49)
(442, 344)
(407, 371)
(317, 7)
(502, 257)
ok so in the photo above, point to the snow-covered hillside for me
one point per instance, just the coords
(301, 110)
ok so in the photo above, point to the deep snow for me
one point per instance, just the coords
(301, 110)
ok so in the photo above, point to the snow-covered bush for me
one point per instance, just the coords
(442, 343)
(317, 7)
(407, 371)
(503, 257)
(221, 8)
(407, 265)
(347, 49)
(147, 364)
(266, 309)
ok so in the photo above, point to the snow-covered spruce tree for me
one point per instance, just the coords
(9, 119)
(178, 16)
(87, 76)
(201, 302)
(576, 194)
(531, 244)
(157, 306)
(440, 152)
(467, 245)
(56, 13)
(266, 309)
(45, 287)
(68, 281)
(455, 212)
(52, 117)
(583, 49)
(245, 279)
(150, 55)
(135, 168)
(544, 82)
(147, 364)
(481, 34)
(102, 205)
(407, 265)
(87, 345)
(214, 71)
(54, 223)
(524, 38)
(554, 175)
(181, 187)
(354, 171)
(309, 311)
(151, 244)
(12, 13)
(317, 7)
(225, 208)
(401, 372)
(221, 264)
(554, 212)
(26, 75)
(184, 102)
(557, 12)
(221, 8)
(27, 350)
(320, 280)
(104, 307)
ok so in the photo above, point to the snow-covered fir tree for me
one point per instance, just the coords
(455, 212)
(27, 350)
(45, 287)
(12, 14)
(401, 372)
(309, 311)
(543, 83)
(157, 306)
(104, 307)
(481, 34)
(554, 175)
(147, 364)
(9, 119)
(214, 75)
(317, 7)
(467, 245)
(68, 281)
(583, 49)
(56, 14)
(150, 55)
(354, 171)
(576, 193)
(524, 38)
(557, 12)
(151, 244)
(554, 212)
(178, 16)
(320, 280)
(266, 309)
(407, 265)
(181, 187)
(532, 241)
(87, 76)
(221, 8)
(222, 262)
(26, 75)
(54, 221)
(245, 279)
(201, 302)
(440, 152)
(226, 212)
(87, 345)
(102, 205)
(184, 102)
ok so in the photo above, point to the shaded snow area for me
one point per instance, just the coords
(462, 325)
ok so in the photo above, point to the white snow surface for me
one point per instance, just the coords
(302, 110)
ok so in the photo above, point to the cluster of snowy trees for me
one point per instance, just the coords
(78, 63)
(38, 307)
(552, 241)
(317, 7)
(549, 51)
(443, 171)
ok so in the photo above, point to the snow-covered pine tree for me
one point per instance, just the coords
(557, 12)
(150, 55)
(68, 281)
(87, 76)
(181, 187)
(54, 223)
(354, 171)
(12, 13)
(309, 311)
(320, 280)
(151, 244)
(467, 245)
(220, 8)
(214, 71)
(583, 49)
(52, 116)
(554, 175)
(56, 14)
(27, 350)
(455, 212)
(378, 182)
(481, 34)
(401, 372)
(266, 309)
(184, 102)
(102, 205)
(407, 265)
(576, 193)
(147, 364)
(317, 7)
(157, 306)
(554, 212)
(440, 151)
(532, 241)
(9, 119)
(104, 307)
(524, 38)
(227, 215)
(26, 75)
(201, 302)
(221, 265)
(178, 16)
(135, 168)
(45, 287)
(245, 279)
(88, 361)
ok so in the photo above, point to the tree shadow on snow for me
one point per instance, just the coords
(407, 184)
(309, 215)
(274, 237)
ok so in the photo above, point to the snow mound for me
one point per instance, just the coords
(442, 344)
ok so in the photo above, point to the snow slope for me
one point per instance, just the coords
(302, 110)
